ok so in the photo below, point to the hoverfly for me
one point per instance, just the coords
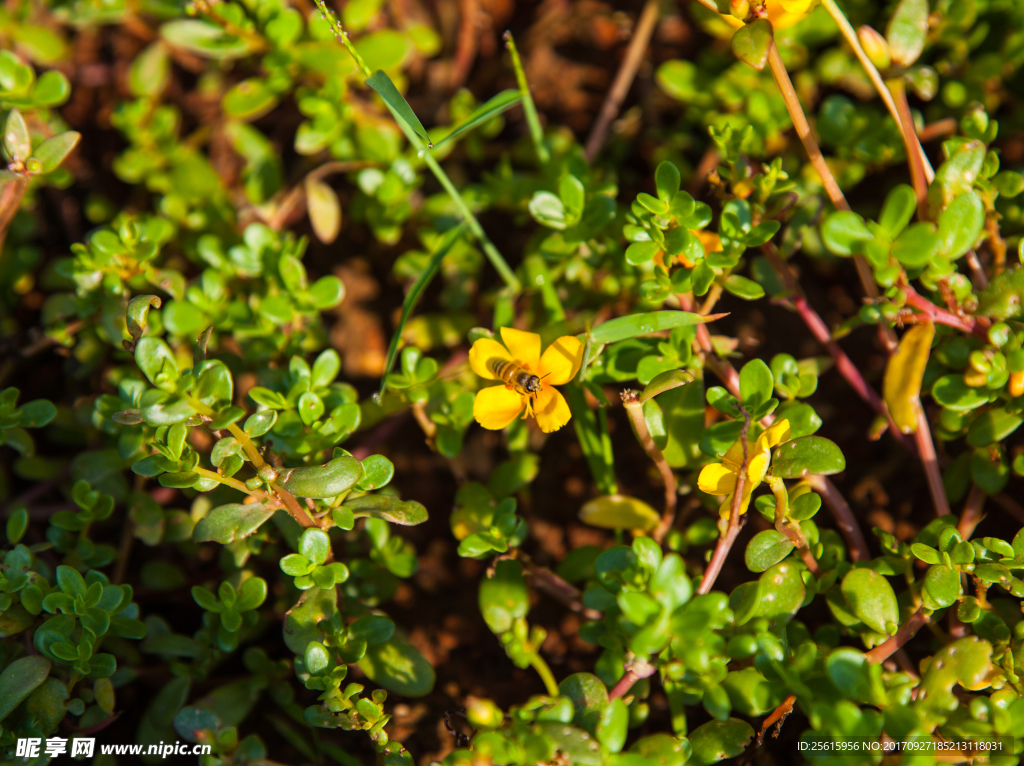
(516, 376)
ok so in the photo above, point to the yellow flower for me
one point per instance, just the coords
(497, 406)
(781, 13)
(721, 478)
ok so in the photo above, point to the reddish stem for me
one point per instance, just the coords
(843, 516)
(883, 651)
(931, 464)
(971, 516)
(941, 316)
(635, 671)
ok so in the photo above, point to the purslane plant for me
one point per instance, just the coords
(206, 415)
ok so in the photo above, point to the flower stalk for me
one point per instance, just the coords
(635, 410)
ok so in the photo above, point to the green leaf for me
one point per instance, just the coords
(323, 481)
(756, 383)
(504, 597)
(228, 523)
(377, 472)
(326, 293)
(669, 584)
(421, 283)
(665, 381)
(992, 426)
(204, 39)
(315, 658)
(250, 99)
(70, 581)
(744, 288)
(952, 393)
(897, 210)
(205, 598)
(17, 140)
(389, 508)
(301, 622)
(961, 224)
(19, 679)
(399, 668)
(872, 600)
(643, 324)
(907, 31)
(612, 728)
(260, 423)
(314, 545)
(808, 455)
(843, 232)
(752, 43)
(854, 676)
(766, 549)
(150, 71)
(667, 180)
(619, 512)
(36, 414)
(717, 740)
(52, 152)
(486, 112)
(593, 439)
(252, 594)
(373, 629)
(901, 386)
(396, 102)
(917, 244)
(137, 316)
(589, 698)
(941, 587)
(639, 253)
(155, 359)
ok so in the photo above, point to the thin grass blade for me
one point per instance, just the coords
(386, 89)
(485, 112)
(414, 293)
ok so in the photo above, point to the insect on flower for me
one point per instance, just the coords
(528, 378)
(781, 13)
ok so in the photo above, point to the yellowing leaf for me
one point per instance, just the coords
(619, 512)
(324, 210)
(901, 387)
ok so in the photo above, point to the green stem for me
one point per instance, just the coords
(495, 257)
(229, 482)
(851, 37)
(529, 108)
(343, 38)
(537, 663)
(252, 452)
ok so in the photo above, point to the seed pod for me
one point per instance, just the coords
(322, 481)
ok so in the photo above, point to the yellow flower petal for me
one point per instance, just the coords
(726, 507)
(561, 360)
(776, 433)
(523, 346)
(481, 354)
(757, 467)
(496, 407)
(551, 410)
(716, 479)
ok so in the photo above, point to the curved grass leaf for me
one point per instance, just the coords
(483, 113)
(421, 283)
(396, 102)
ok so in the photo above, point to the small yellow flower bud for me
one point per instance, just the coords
(740, 9)
(876, 46)
(973, 378)
(483, 714)
(1017, 384)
